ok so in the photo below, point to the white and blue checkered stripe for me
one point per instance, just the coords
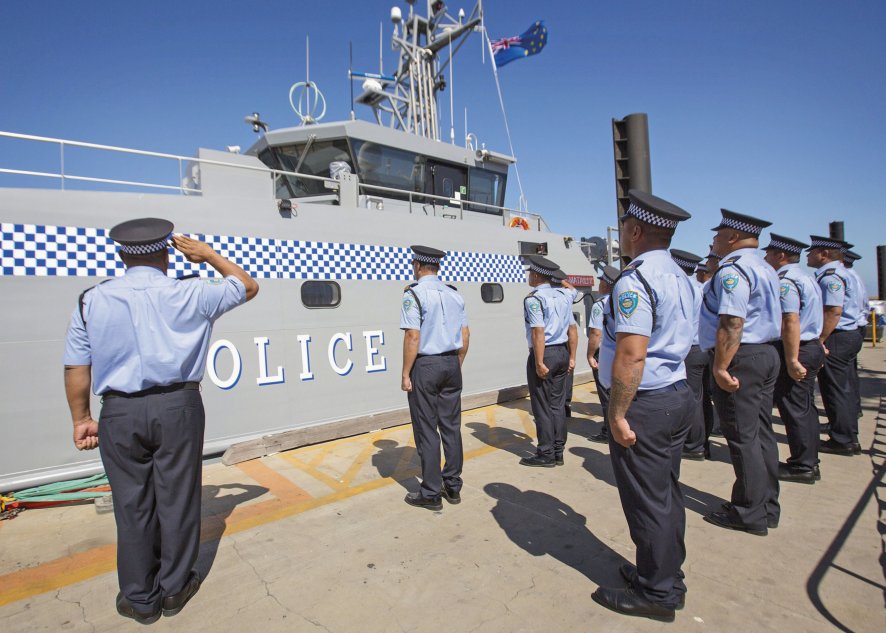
(740, 225)
(787, 247)
(650, 217)
(28, 250)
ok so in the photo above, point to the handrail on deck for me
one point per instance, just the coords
(506, 213)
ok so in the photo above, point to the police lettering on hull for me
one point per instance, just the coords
(338, 356)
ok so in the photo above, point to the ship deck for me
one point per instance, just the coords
(318, 538)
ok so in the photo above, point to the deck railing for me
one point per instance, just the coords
(420, 200)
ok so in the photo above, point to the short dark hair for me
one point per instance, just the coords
(434, 268)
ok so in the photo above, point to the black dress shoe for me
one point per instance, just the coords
(834, 447)
(568, 410)
(416, 499)
(558, 460)
(696, 456)
(175, 603)
(451, 495)
(770, 523)
(628, 602)
(817, 472)
(792, 473)
(824, 429)
(725, 520)
(600, 438)
(628, 571)
(856, 448)
(125, 608)
(538, 461)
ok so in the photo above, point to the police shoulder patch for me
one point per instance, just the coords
(835, 286)
(408, 303)
(729, 281)
(785, 288)
(628, 302)
(533, 304)
(215, 281)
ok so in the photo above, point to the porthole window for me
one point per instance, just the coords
(492, 293)
(320, 294)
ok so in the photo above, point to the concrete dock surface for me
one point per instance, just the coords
(319, 539)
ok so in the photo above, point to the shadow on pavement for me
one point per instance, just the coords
(543, 525)
(217, 508)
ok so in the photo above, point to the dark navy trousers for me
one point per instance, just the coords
(435, 408)
(548, 399)
(696, 362)
(647, 476)
(838, 383)
(151, 448)
(603, 394)
(796, 405)
(746, 421)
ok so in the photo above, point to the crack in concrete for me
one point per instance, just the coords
(58, 596)
(264, 582)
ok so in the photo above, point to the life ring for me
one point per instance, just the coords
(521, 222)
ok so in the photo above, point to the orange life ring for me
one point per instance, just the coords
(521, 222)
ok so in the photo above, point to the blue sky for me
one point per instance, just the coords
(772, 108)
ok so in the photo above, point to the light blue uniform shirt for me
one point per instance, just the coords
(697, 290)
(863, 303)
(550, 308)
(146, 330)
(600, 307)
(747, 287)
(838, 288)
(437, 312)
(801, 295)
(671, 336)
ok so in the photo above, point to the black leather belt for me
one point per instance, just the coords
(453, 352)
(556, 345)
(152, 391)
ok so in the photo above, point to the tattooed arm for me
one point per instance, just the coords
(729, 333)
(627, 372)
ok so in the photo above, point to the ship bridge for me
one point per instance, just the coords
(390, 165)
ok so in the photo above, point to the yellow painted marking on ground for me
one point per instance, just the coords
(318, 458)
(278, 485)
(290, 500)
(528, 425)
(330, 481)
(357, 464)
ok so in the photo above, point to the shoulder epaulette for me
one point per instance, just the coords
(451, 286)
(540, 302)
(421, 312)
(731, 260)
(630, 268)
(81, 299)
(191, 276)
(408, 286)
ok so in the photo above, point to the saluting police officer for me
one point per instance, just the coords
(141, 339)
(435, 342)
(849, 259)
(595, 334)
(696, 362)
(801, 356)
(646, 339)
(561, 280)
(842, 342)
(741, 321)
(551, 334)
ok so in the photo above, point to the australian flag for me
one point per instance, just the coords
(531, 42)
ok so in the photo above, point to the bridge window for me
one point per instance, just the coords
(315, 162)
(487, 187)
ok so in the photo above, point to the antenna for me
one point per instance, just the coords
(451, 95)
(381, 66)
(351, 76)
(307, 106)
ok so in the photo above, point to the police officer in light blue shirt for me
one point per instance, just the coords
(801, 356)
(552, 336)
(561, 280)
(864, 311)
(142, 339)
(647, 334)
(696, 362)
(435, 342)
(595, 337)
(741, 321)
(842, 341)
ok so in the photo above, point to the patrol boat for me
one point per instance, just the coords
(322, 214)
